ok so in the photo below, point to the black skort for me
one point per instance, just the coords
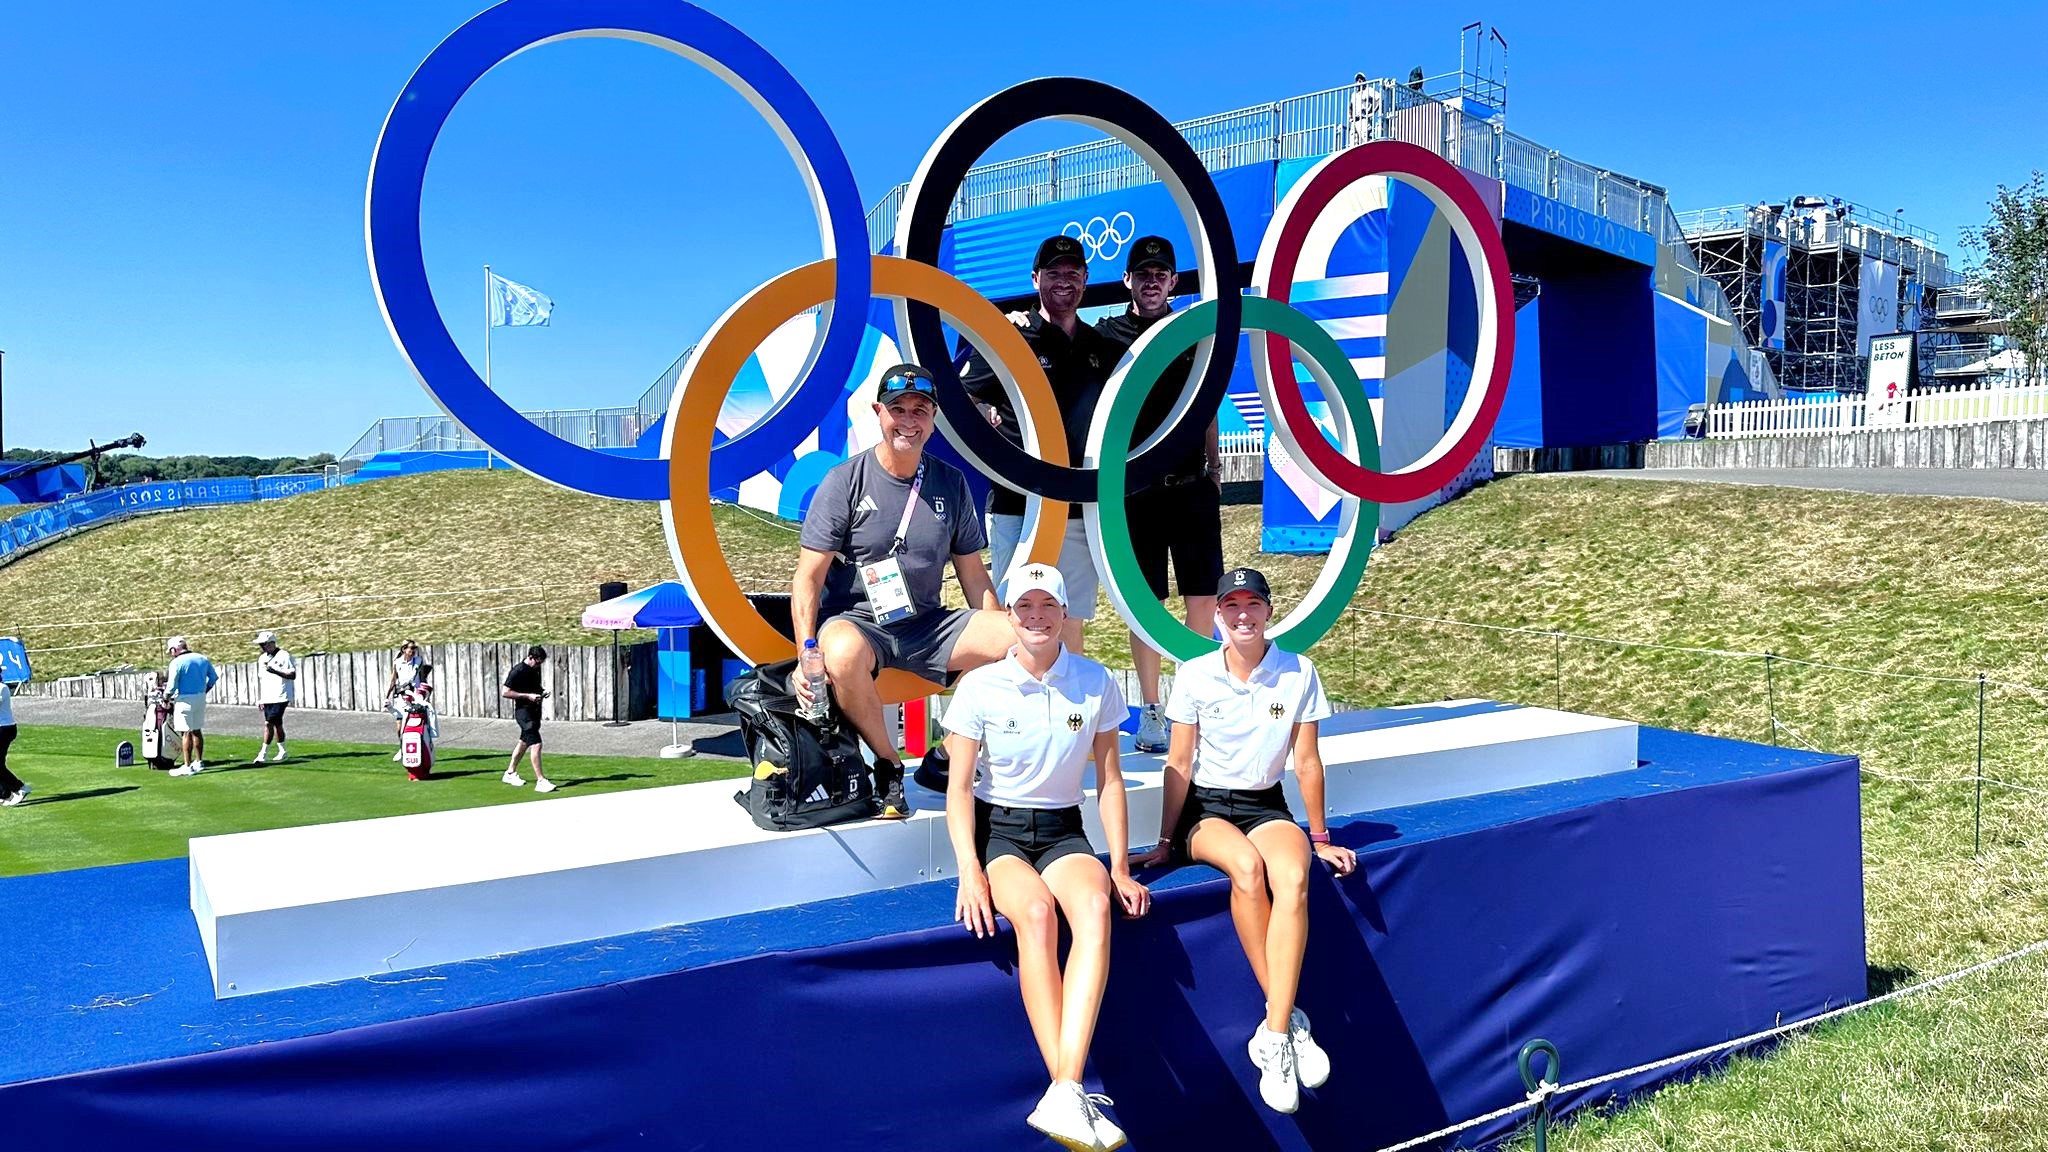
(1247, 808)
(1037, 836)
(273, 712)
(1181, 523)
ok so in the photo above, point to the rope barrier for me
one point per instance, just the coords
(1546, 1090)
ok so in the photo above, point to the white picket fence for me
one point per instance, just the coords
(1949, 405)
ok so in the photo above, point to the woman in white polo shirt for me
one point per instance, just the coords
(1239, 714)
(1030, 722)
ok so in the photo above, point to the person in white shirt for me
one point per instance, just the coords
(1030, 722)
(13, 789)
(1239, 714)
(1365, 110)
(277, 678)
(405, 672)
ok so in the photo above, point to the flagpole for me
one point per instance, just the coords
(487, 326)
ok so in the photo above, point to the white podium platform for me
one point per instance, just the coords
(298, 906)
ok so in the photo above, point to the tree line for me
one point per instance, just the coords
(131, 468)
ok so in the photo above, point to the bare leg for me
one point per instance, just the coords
(1285, 850)
(1146, 661)
(518, 750)
(1023, 899)
(1081, 885)
(1072, 634)
(1202, 615)
(533, 758)
(1220, 845)
(988, 639)
(850, 663)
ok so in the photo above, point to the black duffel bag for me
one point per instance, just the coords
(805, 775)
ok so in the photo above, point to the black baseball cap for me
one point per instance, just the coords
(1057, 248)
(1245, 580)
(906, 379)
(1151, 250)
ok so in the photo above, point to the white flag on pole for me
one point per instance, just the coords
(513, 304)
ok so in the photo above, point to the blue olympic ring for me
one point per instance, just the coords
(398, 271)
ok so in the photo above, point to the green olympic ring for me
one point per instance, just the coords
(1109, 444)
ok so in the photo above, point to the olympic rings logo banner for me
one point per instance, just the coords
(1297, 245)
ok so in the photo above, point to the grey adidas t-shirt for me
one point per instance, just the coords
(854, 514)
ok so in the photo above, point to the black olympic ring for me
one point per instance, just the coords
(923, 220)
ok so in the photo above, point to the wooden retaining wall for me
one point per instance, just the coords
(466, 681)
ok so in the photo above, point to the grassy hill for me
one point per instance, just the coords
(1910, 585)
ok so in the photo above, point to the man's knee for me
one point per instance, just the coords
(847, 651)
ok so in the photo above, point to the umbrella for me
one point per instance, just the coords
(663, 605)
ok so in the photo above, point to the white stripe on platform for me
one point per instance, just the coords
(1370, 367)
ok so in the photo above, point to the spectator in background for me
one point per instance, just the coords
(523, 688)
(13, 789)
(1365, 110)
(405, 672)
(1415, 79)
(277, 678)
(192, 677)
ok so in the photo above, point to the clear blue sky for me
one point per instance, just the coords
(181, 187)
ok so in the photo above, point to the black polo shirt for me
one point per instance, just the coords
(1078, 366)
(1124, 329)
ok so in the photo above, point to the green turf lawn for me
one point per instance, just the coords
(84, 811)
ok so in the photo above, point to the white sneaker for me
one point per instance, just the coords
(258, 759)
(543, 785)
(1107, 1134)
(513, 778)
(398, 757)
(1064, 1114)
(1311, 1063)
(1273, 1052)
(1151, 729)
(20, 794)
(277, 755)
(192, 769)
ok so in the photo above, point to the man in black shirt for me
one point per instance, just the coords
(1078, 361)
(523, 688)
(1180, 516)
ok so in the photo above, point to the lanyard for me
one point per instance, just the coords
(903, 525)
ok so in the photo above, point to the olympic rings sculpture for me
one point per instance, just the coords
(1303, 234)
(1104, 239)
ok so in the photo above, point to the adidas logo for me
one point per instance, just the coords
(819, 796)
(867, 504)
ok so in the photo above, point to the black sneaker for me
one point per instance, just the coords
(889, 790)
(932, 770)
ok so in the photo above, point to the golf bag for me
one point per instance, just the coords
(159, 745)
(805, 776)
(416, 736)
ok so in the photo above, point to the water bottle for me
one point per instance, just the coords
(811, 666)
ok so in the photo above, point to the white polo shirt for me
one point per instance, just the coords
(1246, 729)
(1035, 735)
(271, 687)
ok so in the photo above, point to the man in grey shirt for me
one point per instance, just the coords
(873, 562)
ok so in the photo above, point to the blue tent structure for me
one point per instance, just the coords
(666, 608)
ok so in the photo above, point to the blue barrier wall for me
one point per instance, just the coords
(31, 528)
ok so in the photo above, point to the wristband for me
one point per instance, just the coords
(1319, 837)
(1164, 842)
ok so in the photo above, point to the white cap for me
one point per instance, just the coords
(265, 637)
(1027, 576)
(175, 643)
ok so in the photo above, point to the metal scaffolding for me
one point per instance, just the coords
(1825, 242)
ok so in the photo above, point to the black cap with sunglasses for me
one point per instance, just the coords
(906, 380)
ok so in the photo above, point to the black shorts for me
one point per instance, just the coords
(529, 728)
(920, 645)
(1183, 524)
(1247, 808)
(1037, 836)
(273, 712)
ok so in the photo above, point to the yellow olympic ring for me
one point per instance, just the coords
(708, 377)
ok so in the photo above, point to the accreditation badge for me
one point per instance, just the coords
(888, 595)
